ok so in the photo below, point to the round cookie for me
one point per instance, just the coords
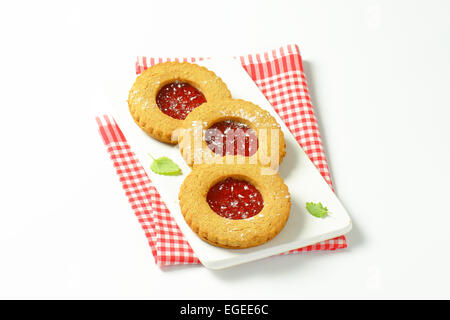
(154, 96)
(262, 141)
(230, 232)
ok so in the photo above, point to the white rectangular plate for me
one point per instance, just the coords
(300, 175)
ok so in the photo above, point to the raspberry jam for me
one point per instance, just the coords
(177, 99)
(231, 138)
(235, 199)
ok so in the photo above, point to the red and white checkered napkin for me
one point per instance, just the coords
(279, 74)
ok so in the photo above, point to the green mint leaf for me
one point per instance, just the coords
(165, 166)
(317, 210)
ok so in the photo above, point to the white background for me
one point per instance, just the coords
(379, 75)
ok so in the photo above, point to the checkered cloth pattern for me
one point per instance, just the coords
(279, 75)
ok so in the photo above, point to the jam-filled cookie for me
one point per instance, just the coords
(164, 94)
(231, 131)
(233, 206)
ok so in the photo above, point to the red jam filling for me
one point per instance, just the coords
(177, 99)
(235, 199)
(231, 138)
